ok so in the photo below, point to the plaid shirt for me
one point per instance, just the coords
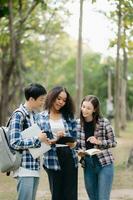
(18, 143)
(105, 134)
(50, 158)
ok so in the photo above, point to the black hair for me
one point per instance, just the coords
(96, 104)
(68, 109)
(34, 90)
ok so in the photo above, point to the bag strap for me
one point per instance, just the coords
(24, 118)
(5, 135)
(8, 122)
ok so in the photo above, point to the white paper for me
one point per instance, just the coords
(33, 131)
(92, 151)
(61, 145)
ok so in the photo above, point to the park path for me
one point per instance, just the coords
(117, 194)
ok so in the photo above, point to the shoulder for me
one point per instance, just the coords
(21, 111)
(42, 115)
(19, 115)
(103, 121)
(70, 121)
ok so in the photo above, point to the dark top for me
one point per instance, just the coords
(89, 131)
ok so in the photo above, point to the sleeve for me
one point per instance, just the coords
(109, 140)
(40, 121)
(78, 134)
(74, 128)
(15, 136)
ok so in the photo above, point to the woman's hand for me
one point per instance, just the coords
(94, 140)
(60, 134)
(71, 144)
(81, 153)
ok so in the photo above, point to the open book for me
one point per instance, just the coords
(30, 132)
(92, 152)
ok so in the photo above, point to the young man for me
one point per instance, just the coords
(28, 173)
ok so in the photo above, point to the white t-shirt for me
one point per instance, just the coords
(57, 125)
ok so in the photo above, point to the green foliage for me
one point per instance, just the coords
(4, 11)
(49, 54)
(126, 24)
(95, 78)
(130, 84)
(93, 1)
(4, 40)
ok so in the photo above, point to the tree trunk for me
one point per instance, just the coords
(117, 75)
(11, 67)
(109, 84)
(79, 68)
(124, 87)
(7, 68)
(4, 95)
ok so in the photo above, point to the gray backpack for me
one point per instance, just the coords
(9, 159)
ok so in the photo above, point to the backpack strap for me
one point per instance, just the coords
(16, 111)
(7, 125)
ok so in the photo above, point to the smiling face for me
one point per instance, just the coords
(60, 101)
(87, 110)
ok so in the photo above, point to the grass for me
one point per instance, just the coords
(7, 187)
(123, 175)
(123, 178)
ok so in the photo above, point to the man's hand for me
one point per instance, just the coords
(43, 138)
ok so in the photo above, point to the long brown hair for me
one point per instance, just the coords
(68, 109)
(96, 104)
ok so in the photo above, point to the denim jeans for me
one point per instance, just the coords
(98, 179)
(27, 188)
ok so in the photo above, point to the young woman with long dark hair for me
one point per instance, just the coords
(61, 161)
(95, 131)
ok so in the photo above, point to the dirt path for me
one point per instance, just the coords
(116, 194)
(122, 194)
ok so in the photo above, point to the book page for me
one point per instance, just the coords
(92, 151)
(33, 131)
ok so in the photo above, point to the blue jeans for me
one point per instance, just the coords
(27, 188)
(98, 179)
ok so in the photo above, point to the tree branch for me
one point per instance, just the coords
(35, 3)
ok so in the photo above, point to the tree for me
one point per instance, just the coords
(123, 12)
(19, 22)
(127, 23)
(118, 71)
(79, 68)
(13, 28)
